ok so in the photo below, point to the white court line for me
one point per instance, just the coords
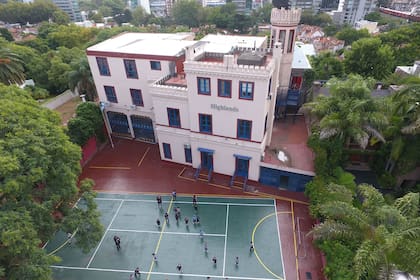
(166, 232)
(201, 276)
(226, 231)
(103, 236)
(278, 231)
(186, 202)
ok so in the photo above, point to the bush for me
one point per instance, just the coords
(37, 92)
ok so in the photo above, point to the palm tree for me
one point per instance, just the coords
(80, 78)
(349, 112)
(11, 67)
(387, 234)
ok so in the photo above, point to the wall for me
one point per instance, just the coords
(59, 100)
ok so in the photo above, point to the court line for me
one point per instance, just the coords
(110, 167)
(103, 236)
(294, 239)
(166, 232)
(226, 231)
(160, 239)
(187, 202)
(278, 231)
(64, 244)
(255, 250)
(201, 276)
(142, 158)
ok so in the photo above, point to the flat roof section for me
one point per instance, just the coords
(158, 44)
(230, 41)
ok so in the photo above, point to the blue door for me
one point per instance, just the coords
(143, 128)
(206, 160)
(118, 123)
(242, 167)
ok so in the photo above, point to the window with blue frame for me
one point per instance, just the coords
(242, 166)
(103, 66)
(173, 117)
(136, 97)
(224, 88)
(244, 129)
(205, 123)
(188, 155)
(203, 85)
(130, 68)
(246, 90)
(111, 96)
(167, 150)
(155, 65)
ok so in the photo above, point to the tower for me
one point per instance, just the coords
(283, 30)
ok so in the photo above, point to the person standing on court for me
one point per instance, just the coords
(159, 201)
(194, 201)
(117, 242)
(251, 246)
(158, 223)
(137, 272)
(167, 217)
(174, 194)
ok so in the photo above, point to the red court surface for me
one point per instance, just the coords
(136, 167)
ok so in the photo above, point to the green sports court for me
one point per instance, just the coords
(229, 224)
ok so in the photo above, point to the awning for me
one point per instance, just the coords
(242, 157)
(206, 150)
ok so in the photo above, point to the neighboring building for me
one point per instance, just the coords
(158, 8)
(329, 5)
(313, 5)
(70, 7)
(327, 44)
(351, 11)
(308, 33)
(409, 70)
(213, 3)
(371, 26)
(209, 104)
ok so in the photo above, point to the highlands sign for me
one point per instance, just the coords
(223, 108)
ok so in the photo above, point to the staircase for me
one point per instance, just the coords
(199, 174)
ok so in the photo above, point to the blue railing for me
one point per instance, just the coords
(245, 181)
(197, 172)
(210, 173)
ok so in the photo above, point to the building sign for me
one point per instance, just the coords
(223, 108)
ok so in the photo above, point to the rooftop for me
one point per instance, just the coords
(300, 55)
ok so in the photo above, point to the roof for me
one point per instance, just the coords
(227, 42)
(300, 53)
(159, 44)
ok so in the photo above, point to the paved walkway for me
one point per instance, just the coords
(135, 167)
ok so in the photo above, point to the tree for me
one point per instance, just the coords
(11, 67)
(124, 17)
(370, 58)
(281, 4)
(39, 170)
(350, 35)
(60, 17)
(80, 78)
(381, 231)
(326, 65)
(6, 34)
(187, 12)
(349, 114)
(139, 16)
(320, 19)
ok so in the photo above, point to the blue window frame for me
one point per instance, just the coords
(203, 85)
(246, 90)
(167, 150)
(188, 155)
(103, 66)
(155, 65)
(244, 129)
(136, 97)
(205, 123)
(130, 68)
(111, 96)
(224, 88)
(173, 117)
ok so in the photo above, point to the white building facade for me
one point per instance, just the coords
(209, 104)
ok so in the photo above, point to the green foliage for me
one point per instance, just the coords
(6, 34)
(124, 17)
(350, 35)
(11, 67)
(319, 19)
(87, 123)
(60, 17)
(80, 78)
(39, 170)
(187, 12)
(326, 66)
(339, 259)
(369, 58)
(37, 92)
(69, 36)
(17, 12)
(139, 16)
(263, 14)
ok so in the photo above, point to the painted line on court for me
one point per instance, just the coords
(278, 234)
(294, 240)
(103, 236)
(160, 239)
(255, 250)
(166, 232)
(226, 231)
(142, 158)
(110, 167)
(64, 244)
(201, 276)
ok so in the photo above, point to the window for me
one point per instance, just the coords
(246, 90)
(167, 150)
(244, 129)
(155, 65)
(290, 42)
(205, 123)
(136, 97)
(110, 94)
(188, 155)
(203, 85)
(224, 88)
(130, 68)
(173, 117)
(265, 124)
(103, 66)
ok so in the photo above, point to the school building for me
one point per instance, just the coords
(211, 104)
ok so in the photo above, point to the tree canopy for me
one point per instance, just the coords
(36, 12)
(350, 35)
(38, 186)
